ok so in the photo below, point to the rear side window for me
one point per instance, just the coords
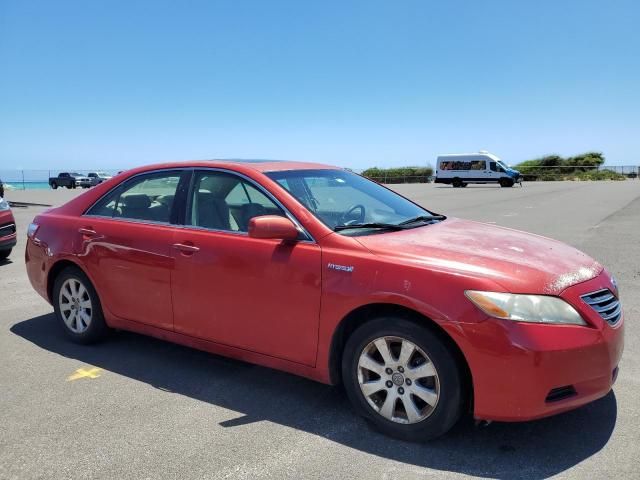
(146, 197)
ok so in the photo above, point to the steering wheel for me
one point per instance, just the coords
(344, 218)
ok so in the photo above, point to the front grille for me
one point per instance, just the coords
(606, 304)
(7, 229)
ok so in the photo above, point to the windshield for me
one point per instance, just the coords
(340, 197)
(76, 174)
(502, 165)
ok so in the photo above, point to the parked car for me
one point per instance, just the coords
(320, 272)
(70, 180)
(8, 233)
(98, 177)
(1, 189)
(461, 169)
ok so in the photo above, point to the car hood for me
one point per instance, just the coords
(518, 261)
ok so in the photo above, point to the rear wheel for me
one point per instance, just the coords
(77, 307)
(403, 379)
(4, 254)
(54, 185)
(457, 183)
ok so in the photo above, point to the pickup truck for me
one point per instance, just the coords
(98, 177)
(70, 180)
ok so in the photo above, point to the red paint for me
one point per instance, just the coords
(7, 241)
(277, 303)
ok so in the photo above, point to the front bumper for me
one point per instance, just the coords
(8, 235)
(524, 371)
(8, 241)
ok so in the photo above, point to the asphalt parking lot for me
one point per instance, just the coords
(135, 407)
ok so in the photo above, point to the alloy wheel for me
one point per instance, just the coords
(75, 305)
(398, 380)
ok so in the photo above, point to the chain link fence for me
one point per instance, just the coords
(578, 172)
(539, 173)
(39, 179)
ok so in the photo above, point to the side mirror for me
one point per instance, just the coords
(273, 226)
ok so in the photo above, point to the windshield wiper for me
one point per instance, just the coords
(423, 218)
(386, 226)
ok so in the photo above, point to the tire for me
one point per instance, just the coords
(457, 183)
(4, 254)
(54, 185)
(441, 385)
(89, 327)
(506, 182)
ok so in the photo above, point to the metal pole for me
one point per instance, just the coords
(22, 171)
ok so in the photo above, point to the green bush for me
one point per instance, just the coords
(399, 175)
(598, 175)
(579, 167)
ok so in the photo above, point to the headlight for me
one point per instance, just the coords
(4, 205)
(32, 229)
(525, 308)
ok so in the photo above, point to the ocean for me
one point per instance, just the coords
(26, 185)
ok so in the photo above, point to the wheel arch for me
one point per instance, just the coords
(365, 313)
(58, 267)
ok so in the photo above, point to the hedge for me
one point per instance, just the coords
(399, 175)
(579, 167)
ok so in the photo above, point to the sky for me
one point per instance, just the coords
(114, 84)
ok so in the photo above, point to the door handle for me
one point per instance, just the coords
(186, 248)
(87, 231)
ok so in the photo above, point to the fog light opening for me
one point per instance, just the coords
(560, 393)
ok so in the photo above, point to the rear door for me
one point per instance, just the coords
(126, 240)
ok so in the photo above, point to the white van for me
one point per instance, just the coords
(460, 169)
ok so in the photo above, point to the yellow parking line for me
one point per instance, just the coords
(85, 373)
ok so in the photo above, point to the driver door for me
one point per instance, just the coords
(261, 295)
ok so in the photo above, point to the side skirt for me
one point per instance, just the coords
(220, 349)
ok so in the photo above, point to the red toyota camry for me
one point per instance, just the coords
(320, 272)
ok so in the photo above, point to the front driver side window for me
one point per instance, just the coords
(223, 201)
(146, 197)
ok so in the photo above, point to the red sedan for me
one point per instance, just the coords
(320, 272)
(8, 234)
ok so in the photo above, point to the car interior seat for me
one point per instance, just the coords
(247, 212)
(211, 212)
(136, 205)
(161, 208)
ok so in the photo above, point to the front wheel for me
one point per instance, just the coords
(77, 307)
(4, 254)
(506, 182)
(403, 379)
(54, 185)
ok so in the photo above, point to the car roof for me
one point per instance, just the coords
(241, 164)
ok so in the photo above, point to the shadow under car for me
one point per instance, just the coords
(532, 450)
